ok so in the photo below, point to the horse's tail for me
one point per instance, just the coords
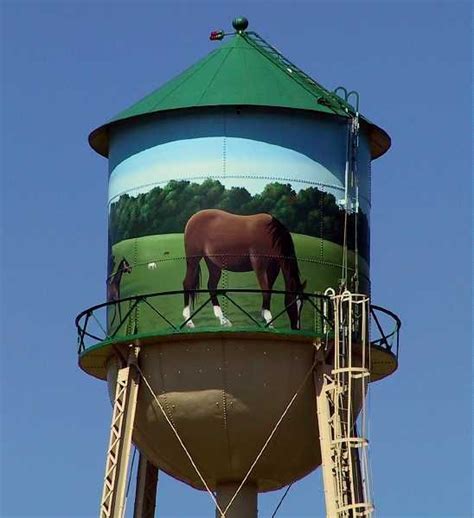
(283, 243)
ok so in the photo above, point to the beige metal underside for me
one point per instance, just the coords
(94, 362)
(224, 392)
(224, 396)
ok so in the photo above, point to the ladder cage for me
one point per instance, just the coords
(342, 389)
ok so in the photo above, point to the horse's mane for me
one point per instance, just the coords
(283, 242)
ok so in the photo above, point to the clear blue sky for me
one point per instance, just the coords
(69, 66)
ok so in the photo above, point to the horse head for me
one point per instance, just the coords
(124, 266)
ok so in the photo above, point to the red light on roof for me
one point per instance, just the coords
(216, 35)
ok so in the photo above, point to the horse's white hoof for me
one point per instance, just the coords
(190, 324)
(267, 316)
(225, 322)
(222, 319)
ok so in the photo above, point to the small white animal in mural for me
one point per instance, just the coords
(152, 266)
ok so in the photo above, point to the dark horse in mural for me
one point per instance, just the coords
(241, 244)
(113, 287)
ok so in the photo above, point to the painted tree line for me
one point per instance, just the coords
(165, 210)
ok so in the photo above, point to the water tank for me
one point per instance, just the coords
(230, 214)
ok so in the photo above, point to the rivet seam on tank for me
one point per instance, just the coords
(137, 307)
(321, 244)
(300, 258)
(224, 152)
(292, 178)
(163, 392)
(224, 399)
(308, 259)
(225, 176)
(225, 284)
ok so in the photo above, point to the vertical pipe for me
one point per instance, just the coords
(244, 505)
(145, 495)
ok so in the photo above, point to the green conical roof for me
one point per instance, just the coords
(244, 71)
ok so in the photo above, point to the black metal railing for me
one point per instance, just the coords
(119, 320)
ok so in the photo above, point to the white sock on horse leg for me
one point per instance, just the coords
(186, 315)
(267, 316)
(222, 319)
(299, 304)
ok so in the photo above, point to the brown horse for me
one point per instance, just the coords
(113, 286)
(241, 244)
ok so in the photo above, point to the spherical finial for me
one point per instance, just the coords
(240, 23)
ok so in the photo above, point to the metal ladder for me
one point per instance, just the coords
(341, 389)
(330, 99)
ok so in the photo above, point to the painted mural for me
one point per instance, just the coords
(233, 213)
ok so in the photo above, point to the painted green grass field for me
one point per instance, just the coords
(159, 265)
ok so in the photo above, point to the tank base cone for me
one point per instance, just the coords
(245, 503)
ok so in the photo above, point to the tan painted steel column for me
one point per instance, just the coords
(322, 382)
(120, 441)
(145, 495)
(244, 505)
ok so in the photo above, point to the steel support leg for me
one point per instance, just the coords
(118, 454)
(244, 506)
(145, 496)
(322, 385)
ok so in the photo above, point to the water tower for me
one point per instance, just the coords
(235, 339)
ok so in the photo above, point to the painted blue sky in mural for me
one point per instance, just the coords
(222, 158)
